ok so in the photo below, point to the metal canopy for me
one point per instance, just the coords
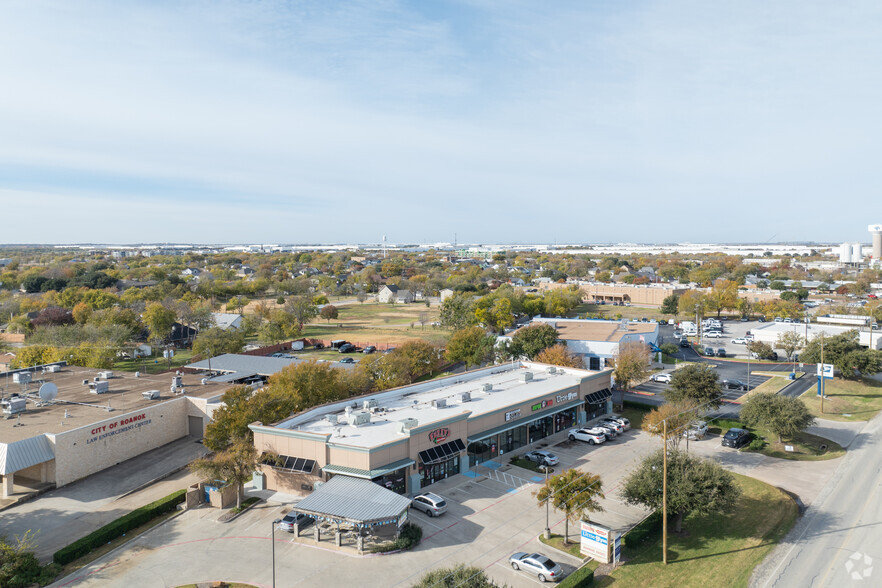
(599, 396)
(442, 452)
(353, 500)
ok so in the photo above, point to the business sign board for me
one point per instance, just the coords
(597, 542)
(561, 398)
(439, 435)
(825, 370)
(617, 555)
(512, 414)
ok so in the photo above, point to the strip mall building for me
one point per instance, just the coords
(411, 437)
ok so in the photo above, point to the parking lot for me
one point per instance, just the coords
(492, 514)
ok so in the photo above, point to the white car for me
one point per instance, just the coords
(591, 436)
(696, 430)
(430, 503)
(740, 341)
(713, 335)
(663, 378)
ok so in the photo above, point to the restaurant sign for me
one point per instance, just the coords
(541, 405)
(512, 414)
(439, 435)
(567, 397)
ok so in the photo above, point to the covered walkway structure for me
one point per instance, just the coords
(353, 505)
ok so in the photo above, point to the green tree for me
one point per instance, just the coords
(782, 415)
(19, 567)
(216, 341)
(560, 355)
(631, 364)
(762, 350)
(471, 345)
(235, 464)
(457, 311)
(690, 301)
(670, 305)
(694, 485)
(307, 384)
(328, 312)
(697, 383)
(678, 416)
(530, 341)
(159, 321)
(302, 308)
(459, 576)
(845, 353)
(574, 493)
(789, 342)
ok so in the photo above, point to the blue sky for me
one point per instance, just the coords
(585, 121)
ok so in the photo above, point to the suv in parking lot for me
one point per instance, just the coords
(288, 522)
(733, 384)
(346, 348)
(625, 423)
(721, 352)
(430, 503)
(736, 438)
(663, 378)
(592, 436)
(696, 430)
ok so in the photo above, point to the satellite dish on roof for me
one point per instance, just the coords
(48, 392)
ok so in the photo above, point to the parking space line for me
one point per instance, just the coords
(519, 574)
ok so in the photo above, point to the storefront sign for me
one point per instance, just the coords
(597, 542)
(439, 435)
(118, 427)
(512, 414)
(567, 397)
(541, 405)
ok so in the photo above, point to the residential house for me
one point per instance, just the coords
(227, 320)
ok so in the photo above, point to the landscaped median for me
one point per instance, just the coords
(713, 550)
(847, 400)
(805, 446)
(773, 385)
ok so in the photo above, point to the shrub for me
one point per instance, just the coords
(117, 528)
(643, 531)
(459, 576)
(581, 578)
(409, 536)
(757, 444)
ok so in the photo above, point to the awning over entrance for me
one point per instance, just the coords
(367, 474)
(25, 453)
(351, 500)
(599, 396)
(442, 452)
(523, 421)
(286, 463)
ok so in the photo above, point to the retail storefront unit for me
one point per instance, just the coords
(412, 437)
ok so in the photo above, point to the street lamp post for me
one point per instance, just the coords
(665, 493)
(273, 540)
(547, 498)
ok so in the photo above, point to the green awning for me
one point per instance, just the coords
(367, 474)
(524, 420)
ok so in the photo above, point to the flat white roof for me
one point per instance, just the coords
(415, 401)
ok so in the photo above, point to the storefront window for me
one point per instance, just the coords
(564, 420)
(394, 481)
(595, 410)
(541, 428)
(431, 473)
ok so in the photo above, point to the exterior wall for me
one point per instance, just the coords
(343, 456)
(98, 446)
(390, 453)
(293, 447)
(41, 472)
(759, 295)
(648, 295)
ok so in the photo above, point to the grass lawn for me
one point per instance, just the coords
(608, 311)
(847, 400)
(806, 447)
(373, 323)
(526, 464)
(715, 550)
(773, 385)
(557, 542)
(635, 414)
(153, 365)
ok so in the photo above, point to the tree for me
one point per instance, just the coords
(698, 383)
(302, 308)
(471, 345)
(19, 566)
(574, 493)
(694, 485)
(235, 465)
(631, 364)
(723, 296)
(762, 350)
(530, 341)
(782, 415)
(307, 384)
(678, 416)
(457, 311)
(560, 355)
(159, 320)
(422, 358)
(328, 312)
(361, 297)
(670, 305)
(790, 341)
(691, 300)
(460, 576)
(845, 353)
(216, 341)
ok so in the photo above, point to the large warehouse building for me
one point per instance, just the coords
(411, 437)
(62, 423)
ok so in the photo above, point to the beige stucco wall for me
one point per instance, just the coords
(103, 444)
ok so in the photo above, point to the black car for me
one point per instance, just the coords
(734, 384)
(721, 352)
(318, 346)
(369, 349)
(709, 351)
(347, 360)
(346, 348)
(736, 438)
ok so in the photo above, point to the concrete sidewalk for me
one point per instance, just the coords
(66, 514)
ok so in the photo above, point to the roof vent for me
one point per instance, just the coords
(405, 425)
(551, 370)
(440, 403)
(527, 377)
(465, 397)
(369, 404)
(487, 387)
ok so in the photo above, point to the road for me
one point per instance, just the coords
(839, 541)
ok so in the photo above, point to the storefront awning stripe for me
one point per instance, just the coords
(524, 420)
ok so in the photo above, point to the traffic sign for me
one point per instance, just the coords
(825, 370)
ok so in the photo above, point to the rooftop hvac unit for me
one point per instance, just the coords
(369, 404)
(332, 418)
(105, 375)
(150, 394)
(487, 387)
(465, 397)
(551, 370)
(53, 369)
(359, 417)
(21, 377)
(176, 381)
(440, 403)
(99, 387)
(405, 425)
(14, 405)
(527, 377)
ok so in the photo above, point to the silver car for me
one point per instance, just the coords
(430, 503)
(538, 564)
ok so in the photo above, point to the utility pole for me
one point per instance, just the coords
(665, 493)
(547, 499)
(823, 385)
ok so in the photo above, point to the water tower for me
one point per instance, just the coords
(845, 253)
(876, 231)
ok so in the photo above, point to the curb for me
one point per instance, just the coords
(240, 513)
(584, 560)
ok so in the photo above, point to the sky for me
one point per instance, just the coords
(490, 122)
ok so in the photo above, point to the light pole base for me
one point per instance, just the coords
(547, 533)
